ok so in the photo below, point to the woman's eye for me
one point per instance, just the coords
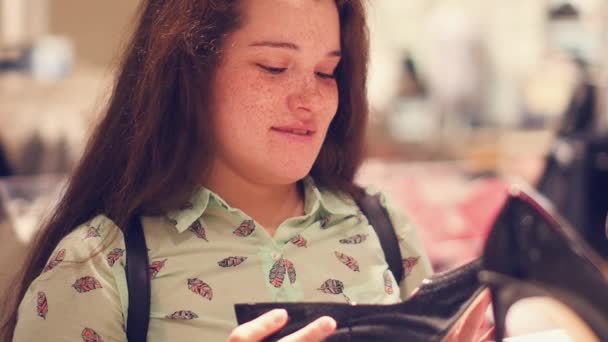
(271, 70)
(326, 76)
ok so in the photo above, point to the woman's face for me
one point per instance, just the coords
(274, 91)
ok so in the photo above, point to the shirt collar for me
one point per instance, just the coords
(330, 202)
(316, 202)
(191, 211)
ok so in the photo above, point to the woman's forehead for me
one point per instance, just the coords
(306, 23)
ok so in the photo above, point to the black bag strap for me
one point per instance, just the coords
(138, 282)
(379, 219)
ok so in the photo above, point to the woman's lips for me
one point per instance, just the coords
(299, 135)
(296, 131)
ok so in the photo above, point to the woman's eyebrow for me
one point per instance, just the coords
(287, 45)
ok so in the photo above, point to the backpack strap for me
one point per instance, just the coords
(379, 219)
(138, 282)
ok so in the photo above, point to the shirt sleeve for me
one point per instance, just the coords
(78, 296)
(416, 263)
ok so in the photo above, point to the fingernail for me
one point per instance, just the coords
(278, 315)
(328, 324)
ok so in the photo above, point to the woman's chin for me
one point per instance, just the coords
(289, 174)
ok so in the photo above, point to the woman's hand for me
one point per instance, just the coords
(274, 320)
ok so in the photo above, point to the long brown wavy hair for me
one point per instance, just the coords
(159, 114)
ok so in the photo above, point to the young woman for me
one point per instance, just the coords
(234, 131)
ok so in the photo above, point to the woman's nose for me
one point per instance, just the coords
(305, 96)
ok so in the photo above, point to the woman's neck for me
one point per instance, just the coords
(268, 204)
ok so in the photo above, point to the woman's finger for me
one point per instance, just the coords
(316, 331)
(259, 328)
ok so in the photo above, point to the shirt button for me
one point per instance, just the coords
(275, 256)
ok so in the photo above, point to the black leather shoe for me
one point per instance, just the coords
(532, 252)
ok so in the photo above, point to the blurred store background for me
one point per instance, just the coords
(464, 95)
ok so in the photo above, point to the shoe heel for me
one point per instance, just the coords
(499, 309)
(504, 293)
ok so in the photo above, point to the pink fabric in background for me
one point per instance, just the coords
(453, 211)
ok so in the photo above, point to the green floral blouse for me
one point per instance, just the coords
(206, 257)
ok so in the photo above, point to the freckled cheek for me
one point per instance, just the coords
(266, 101)
(252, 102)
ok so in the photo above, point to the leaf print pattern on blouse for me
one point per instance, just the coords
(408, 265)
(183, 315)
(92, 232)
(200, 288)
(57, 259)
(232, 261)
(245, 229)
(86, 284)
(42, 305)
(89, 335)
(278, 271)
(291, 271)
(388, 282)
(334, 287)
(198, 230)
(155, 267)
(299, 241)
(114, 255)
(355, 239)
(349, 261)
